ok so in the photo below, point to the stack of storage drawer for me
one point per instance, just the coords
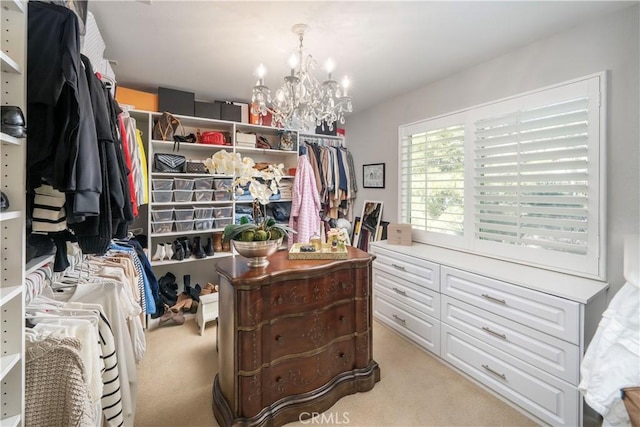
(522, 343)
(407, 297)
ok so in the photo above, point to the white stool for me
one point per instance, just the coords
(207, 310)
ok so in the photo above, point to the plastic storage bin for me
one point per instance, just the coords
(221, 195)
(222, 212)
(184, 214)
(203, 195)
(222, 184)
(162, 226)
(182, 195)
(162, 196)
(162, 215)
(162, 184)
(222, 222)
(203, 183)
(183, 183)
(203, 213)
(203, 224)
(184, 225)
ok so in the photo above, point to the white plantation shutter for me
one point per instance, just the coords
(534, 178)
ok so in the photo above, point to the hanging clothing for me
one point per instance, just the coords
(305, 206)
(56, 391)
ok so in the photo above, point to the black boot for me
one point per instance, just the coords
(197, 249)
(186, 245)
(178, 251)
(208, 249)
(186, 279)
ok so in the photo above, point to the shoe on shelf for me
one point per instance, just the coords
(13, 121)
(186, 246)
(197, 249)
(208, 249)
(178, 251)
(209, 288)
(194, 292)
(168, 248)
(160, 254)
(4, 202)
(168, 281)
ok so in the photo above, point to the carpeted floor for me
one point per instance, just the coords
(416, 389)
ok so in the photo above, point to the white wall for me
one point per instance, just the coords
(609, 43)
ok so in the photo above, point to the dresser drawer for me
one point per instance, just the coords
(423, 273)
(294, 335)
(547, 397)
(546, 313)
(424, 330)
(296, 296)
(550, 354)
(294, 376)
(423, 301)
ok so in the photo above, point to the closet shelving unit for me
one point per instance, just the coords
(199, 152)
(12, 221)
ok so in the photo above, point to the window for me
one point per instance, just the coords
(531, 189)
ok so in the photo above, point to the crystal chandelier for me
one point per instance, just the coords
(302, 102)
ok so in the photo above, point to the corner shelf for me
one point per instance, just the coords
(6, 364)
(217, 255)
(5, 216)
(9, 140)
(9, 65)
(8, 293)
(38, 262)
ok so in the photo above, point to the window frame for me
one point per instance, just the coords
(593, 264)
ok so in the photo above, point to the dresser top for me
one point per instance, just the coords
(574, 288)
(281, 267)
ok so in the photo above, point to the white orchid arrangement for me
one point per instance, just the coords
(263, 183)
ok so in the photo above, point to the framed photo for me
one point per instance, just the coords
(373, 175)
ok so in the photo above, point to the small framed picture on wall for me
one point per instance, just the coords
(373, 175)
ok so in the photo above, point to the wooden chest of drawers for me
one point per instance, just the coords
(294, 337)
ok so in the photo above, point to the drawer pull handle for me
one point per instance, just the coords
(399, 267)
(399, 319)
(342, 319)
(494, 372)
(401, 292)
(494, 333)
(279, 380)
(494, 299)
(279, 338)
(341, 355)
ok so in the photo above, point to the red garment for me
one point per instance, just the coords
(127, 159)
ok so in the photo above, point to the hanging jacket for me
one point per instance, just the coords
(61, 146)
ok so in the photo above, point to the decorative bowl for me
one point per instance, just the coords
(257, 251)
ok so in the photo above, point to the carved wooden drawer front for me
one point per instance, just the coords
(293, 297)
(546, 313)
(551, 354)
(544, 395)
(294, 376)
(421, 272)
(293, 335)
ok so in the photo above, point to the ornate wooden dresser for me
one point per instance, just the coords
(294, 337)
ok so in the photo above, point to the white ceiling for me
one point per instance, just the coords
(212, 48)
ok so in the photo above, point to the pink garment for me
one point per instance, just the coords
(305, 207)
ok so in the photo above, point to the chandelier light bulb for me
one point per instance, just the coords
(345, 85)
(329, 66)
(261, 72)
(293, 62)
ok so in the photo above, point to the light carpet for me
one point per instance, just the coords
(416, 389)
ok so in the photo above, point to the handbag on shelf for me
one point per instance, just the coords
(170, 163)
(165, 127)
(195, 166)
(213, 138)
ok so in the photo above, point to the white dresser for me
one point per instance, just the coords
(518, 330)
